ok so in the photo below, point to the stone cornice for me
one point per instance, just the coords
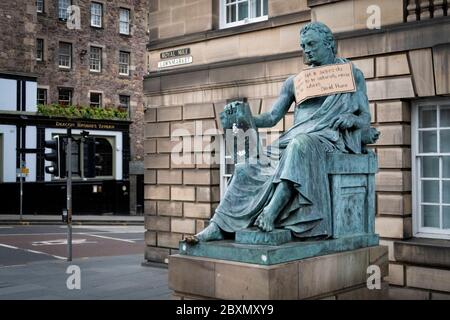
(315, 3)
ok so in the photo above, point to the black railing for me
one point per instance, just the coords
(416, 10)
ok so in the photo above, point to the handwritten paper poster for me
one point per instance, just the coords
(324, 81)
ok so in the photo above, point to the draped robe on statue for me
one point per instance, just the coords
(300, 154)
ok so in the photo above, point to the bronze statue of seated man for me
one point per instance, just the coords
(294, 193)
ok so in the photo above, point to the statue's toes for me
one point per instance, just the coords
(260, 224)
(191, 240)
(265, 226)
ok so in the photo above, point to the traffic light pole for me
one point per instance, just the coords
(69, 194)
(21, 189)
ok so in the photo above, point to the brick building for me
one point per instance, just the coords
(203, 53)
(88, 53)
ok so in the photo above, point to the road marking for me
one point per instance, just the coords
(31, 251)
(5, 227)
(105, 237)
(7, 246)
(58, 257)
(12, 266)
(60, 242)
(44, 253)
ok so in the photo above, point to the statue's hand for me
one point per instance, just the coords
(231, 107)
(227, 116)
(343, 121)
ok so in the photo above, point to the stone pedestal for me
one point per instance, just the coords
(339, 276)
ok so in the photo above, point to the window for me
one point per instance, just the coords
(76, 163)
(62, 9)
(39, 49)
(41, 96)
(96, 14)
(124, 63)
(104, 159)
(227, 164)
(95, 63)
(65, 55)
(124, 21)
(40, 6)
(124, 102)
(431, 169)
(96, 99)
(65, 96)
(238, 12)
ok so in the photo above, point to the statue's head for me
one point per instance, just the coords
(318, 44)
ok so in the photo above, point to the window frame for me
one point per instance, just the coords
(128, 102)
(128, 63)
(418, 230)
(100, 103)
(113, 142)
(116, 139)
(223, 17)
(41, 58)
(225, 177)
(128, 22)
(70, 96)
(70, 55)
(99, 60)
(128, 107)
(66, 15)
(46, 95)
(94, 3)
(42, 10)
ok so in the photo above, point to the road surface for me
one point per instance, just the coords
(20, 245)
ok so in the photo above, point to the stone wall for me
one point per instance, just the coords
(108, 81)
(282, 7)
(400, 71)
(238, 46)
(349, 15)
(172, 18)
(401, 65)
(18, 27)
(176, 18)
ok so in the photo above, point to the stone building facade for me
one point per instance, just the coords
(18, 36)
(403, 49)
(79, 55)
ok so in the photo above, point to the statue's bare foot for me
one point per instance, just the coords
(210, 233)
(265, 221)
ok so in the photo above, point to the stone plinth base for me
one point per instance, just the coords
(274, 254)
(335, 276)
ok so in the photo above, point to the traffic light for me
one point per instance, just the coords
(56, 156)
(93, 161)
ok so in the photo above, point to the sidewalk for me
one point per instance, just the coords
(14, 219)
(110, 278)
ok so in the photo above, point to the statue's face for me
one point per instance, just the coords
(315, 49)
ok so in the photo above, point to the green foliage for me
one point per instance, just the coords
(83, 112)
